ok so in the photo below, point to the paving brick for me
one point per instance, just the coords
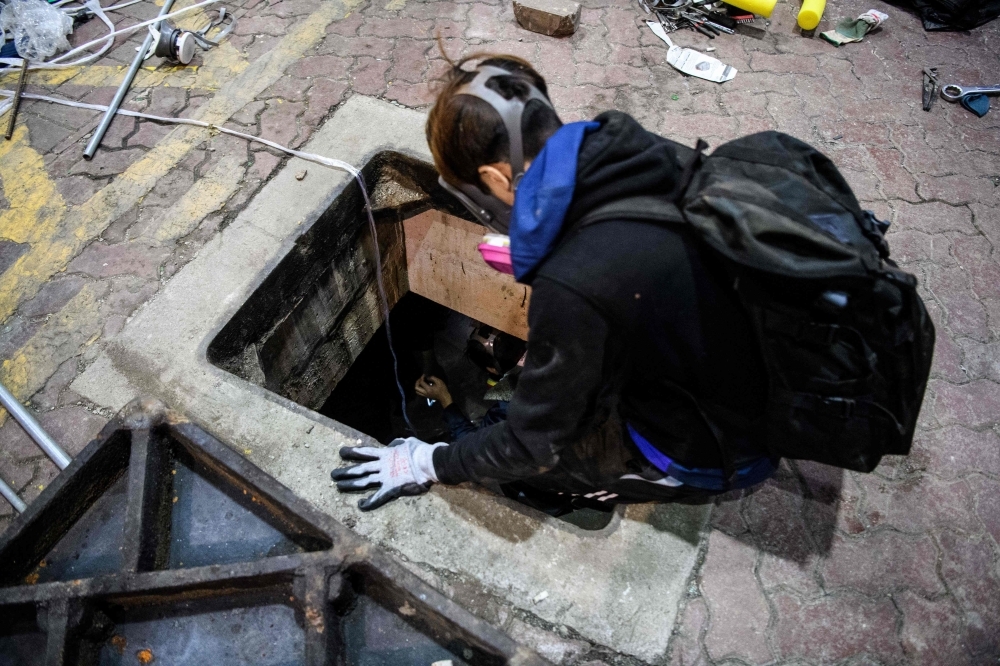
(51, 395)
(107, 162)
(324, 66)
(967, 566)
(409, 61)
(368, 76)
(323, 96)
(933, 632)
(975, 405)
(376, 47)
(737, 606)
(966, 314)
(396, 27)
(278, 121)
(100, 260)
(836, 627)
(686, 648)
(16, 445)
(72, 427)
(52, 297)
(956, 189)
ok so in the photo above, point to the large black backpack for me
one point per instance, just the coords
(843, 333)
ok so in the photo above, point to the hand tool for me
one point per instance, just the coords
(953, 92)
(930, 87)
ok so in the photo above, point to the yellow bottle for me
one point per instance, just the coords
(811, 13)
(762, 7)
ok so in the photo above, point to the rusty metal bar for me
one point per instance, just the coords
(34, 429)
(16, 103)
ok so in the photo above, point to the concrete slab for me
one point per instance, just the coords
(618, 587)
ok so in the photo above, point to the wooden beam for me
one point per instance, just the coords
(443, 264)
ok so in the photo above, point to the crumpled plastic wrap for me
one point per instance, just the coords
(39, 29)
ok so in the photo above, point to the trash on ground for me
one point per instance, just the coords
(692, 62)
(953, 14)
(930, 87)
(556, 18)
(301, 174)
(811, 13)
(39, 29)
(853, 30)
(978, 104)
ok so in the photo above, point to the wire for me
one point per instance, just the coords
(108, 39)
(311, 157)
(384, 300)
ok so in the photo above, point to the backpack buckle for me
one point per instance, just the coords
(847, 406)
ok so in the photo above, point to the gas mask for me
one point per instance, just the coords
(486, 208)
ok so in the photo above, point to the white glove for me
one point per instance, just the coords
(405, 467)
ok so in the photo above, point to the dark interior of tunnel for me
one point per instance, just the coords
(367, 397)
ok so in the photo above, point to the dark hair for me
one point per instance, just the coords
(508, 350)
(465, 132)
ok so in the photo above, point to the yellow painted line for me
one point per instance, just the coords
(63, 239)
(39, 216)
(36, 207)
(206, 196)
(395, 5)
(221, 64)
(77, 324)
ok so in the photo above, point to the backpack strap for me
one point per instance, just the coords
(692, 165)
(647, 208)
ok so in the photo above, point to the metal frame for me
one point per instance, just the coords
(137, 444)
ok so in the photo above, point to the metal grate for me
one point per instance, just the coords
(160, 543)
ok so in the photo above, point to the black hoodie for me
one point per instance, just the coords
(628, 315)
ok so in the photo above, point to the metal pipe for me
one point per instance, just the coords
(17, 99)
(33, 428)
(12, 497)
(98, 136)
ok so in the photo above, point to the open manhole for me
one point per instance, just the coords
(161, 544)
(313, 331)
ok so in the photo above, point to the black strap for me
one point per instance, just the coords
(692, 165)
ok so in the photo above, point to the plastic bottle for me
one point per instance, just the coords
(811, 13)
(762, 7)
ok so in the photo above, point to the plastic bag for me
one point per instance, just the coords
(39, 29)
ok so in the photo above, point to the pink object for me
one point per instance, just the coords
(498, 257)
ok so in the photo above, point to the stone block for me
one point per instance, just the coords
(556, 18)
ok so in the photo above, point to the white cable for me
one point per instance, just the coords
(311, 157)
(95, 6)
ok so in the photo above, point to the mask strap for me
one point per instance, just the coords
(510, 110)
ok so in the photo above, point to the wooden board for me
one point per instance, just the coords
(443, 264)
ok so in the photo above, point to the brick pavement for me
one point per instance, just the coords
(816, 566)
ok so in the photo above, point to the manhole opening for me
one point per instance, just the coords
(427, 337)
(313, 330)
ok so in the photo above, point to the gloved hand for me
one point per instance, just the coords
(405, 467)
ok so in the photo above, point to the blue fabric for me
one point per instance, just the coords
(460, 426)
(544, 196)
(977, 104)
(709, 478)
(8, 50)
